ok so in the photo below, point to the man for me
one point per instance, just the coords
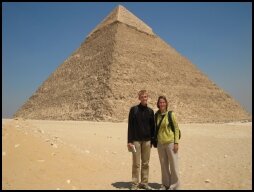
(141, 130)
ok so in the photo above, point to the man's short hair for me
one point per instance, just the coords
(142, 92)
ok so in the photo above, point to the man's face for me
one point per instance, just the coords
(143, 99)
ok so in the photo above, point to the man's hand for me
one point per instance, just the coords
(175, 149)
(129, 145)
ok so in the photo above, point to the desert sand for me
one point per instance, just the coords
(40, 154)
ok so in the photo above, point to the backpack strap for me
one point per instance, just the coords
(170, 120)
(157, 126)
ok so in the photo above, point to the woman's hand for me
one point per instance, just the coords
(175, 149)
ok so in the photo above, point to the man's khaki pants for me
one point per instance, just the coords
(143, 149)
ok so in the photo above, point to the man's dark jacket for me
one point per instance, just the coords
(141, 126)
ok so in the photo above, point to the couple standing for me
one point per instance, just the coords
(146, 129)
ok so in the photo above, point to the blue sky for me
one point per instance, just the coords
(38, 37)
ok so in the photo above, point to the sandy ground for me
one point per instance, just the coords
(93, 155)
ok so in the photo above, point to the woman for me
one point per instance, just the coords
(167, 144)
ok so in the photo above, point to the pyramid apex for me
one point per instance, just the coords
(121, 14)
(120, 6)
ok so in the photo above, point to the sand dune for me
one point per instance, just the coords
(93, 155)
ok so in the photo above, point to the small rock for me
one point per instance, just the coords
(57, 188)
(54, 145)
(114, 152)
(41, 131)
(106, 151)
(207, 181)
(47, 140)
(53, 154)
(87, 151)
(17, 145)
(41, 160)
(225, 156)
(68, 181)
(3, 153)
(17, 126)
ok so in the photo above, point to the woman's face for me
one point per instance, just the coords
(162, 104)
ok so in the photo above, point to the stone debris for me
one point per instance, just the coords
(54, 145)
(87, 151)
(17, 126)
(3, 153)
(208, 181)
(68, 181)
(40, 131)
(225, 156)
(114, 152)
(17, 145)
(41, 160)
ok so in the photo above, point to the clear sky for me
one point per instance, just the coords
(38, 37)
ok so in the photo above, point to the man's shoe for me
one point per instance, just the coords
(145, 186)
(134, 186)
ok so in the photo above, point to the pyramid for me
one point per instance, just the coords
(122, 55)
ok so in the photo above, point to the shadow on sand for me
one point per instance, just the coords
(127, 185)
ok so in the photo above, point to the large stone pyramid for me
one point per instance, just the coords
(121, 56)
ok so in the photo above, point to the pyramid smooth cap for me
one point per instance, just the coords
(121, 14)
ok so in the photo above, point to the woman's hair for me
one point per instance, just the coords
(165, 99)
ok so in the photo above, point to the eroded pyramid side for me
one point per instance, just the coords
(147, 62)
(77, 89)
